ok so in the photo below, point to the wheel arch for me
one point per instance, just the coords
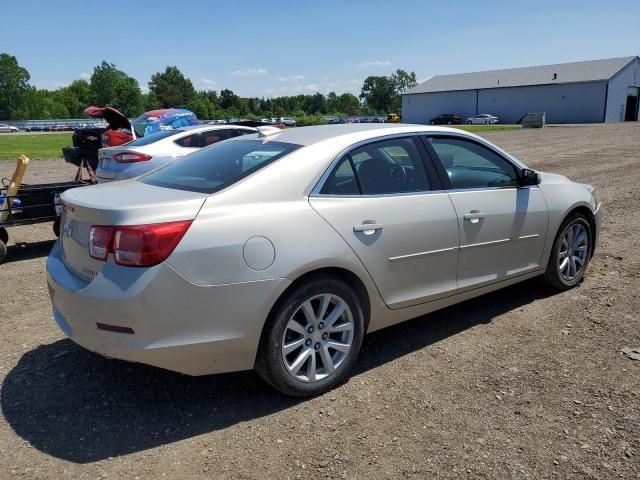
(326, 271)
(585, 211)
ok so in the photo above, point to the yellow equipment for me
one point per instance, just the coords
(392, 118)
(12, 189)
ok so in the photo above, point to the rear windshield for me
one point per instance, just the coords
(154, 137)
(218, 166)
(139, 124)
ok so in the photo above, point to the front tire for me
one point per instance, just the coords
(312, 340)
(571, 253)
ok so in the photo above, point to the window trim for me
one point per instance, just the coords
(423, 154)
(442, 173)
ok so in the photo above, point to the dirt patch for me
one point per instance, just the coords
(522, 383)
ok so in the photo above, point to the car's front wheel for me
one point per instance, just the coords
(571, 253)
(313, 338)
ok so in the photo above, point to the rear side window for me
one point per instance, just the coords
(215, 136)
(190, 141)
(343, 180)
(219, 166)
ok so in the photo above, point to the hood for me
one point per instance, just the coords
(114, 118)
(546, 177)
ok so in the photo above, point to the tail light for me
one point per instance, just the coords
(131, 157)
(136, 245)
(100, 242)
(104, 140)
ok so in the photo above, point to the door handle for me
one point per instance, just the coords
(474, 216)
(367, 228)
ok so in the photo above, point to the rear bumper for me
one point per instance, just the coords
(179, 326)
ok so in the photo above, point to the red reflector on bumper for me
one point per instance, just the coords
(114, 328)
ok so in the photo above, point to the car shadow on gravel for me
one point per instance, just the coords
(82, 407)
(27, 251)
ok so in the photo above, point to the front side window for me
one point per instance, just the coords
(379, 168)
(219, 166)
(471, 165)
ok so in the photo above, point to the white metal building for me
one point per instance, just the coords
(580, 92)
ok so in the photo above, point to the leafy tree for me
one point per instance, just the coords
(378, 93)
(349, 104)
(150, 102)
(172, 88)
(228, 99)
(128, 97)
(75, 97)
(114, 88)
(403, 81)
(14, 84)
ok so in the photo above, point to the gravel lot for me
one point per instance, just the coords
(522, 383)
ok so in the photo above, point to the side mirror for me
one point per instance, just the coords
(528, 178)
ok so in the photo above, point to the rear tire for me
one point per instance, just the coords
(56, 227)
(469, 122)
(570, 253)
(297, 354)
(3, 251)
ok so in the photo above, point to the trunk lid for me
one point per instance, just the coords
(114, 118)
(119, 203)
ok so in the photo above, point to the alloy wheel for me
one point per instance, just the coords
(574, 249)
(317, 338)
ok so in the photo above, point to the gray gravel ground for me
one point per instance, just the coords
(522, 383)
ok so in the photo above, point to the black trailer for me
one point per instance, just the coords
(32, 204)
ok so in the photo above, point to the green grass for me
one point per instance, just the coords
(35, 146)
(488, 128)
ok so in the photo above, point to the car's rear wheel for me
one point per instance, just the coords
(312, 339)
(571, 253)
(469, 122)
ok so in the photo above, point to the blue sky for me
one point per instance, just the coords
(282, 47)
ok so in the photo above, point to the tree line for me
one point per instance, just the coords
(109, 86)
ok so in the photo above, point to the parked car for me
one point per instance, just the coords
(483, 119)
(289, 122)
(4, 128)
(280, 252)
(119, 130)
(446, 119)
(152, 151)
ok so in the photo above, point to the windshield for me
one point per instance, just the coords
(218, 166)
(154, 137)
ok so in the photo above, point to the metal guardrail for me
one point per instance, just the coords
(48, 125)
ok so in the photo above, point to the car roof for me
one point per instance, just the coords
(310, 135)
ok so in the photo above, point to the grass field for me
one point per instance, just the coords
(34, 146)
(487, 128)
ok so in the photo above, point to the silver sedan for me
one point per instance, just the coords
(280, 251)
